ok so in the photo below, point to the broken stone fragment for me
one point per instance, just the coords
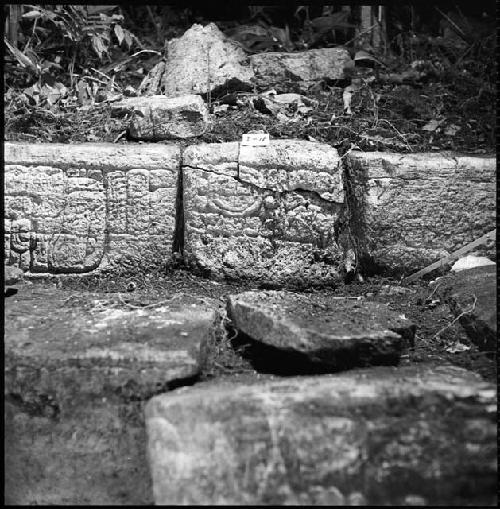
(472, 295)
(410, 210)
(329, 333)
(328, 440)
(275, 68)
(158, 117)
(266, 213)
(202, 60)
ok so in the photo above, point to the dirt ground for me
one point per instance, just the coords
(436, 333)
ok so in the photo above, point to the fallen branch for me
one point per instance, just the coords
(492, 235)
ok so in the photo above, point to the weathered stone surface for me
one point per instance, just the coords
(472, 295)
(379, 436)
(76, 380)
(330, 332)
(159, 117)
(267, 213)
(275, 68)
(203, 59)
(410, 210)
(12, 275)
(65, 204)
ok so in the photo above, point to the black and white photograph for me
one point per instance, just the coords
(250, 254)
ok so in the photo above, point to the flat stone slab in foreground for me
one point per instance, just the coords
(331, 332)
(380, 436)
(76, 379)
(89, 352)
(266, 213)
(79, 208)
(472, 295)
(410, 210)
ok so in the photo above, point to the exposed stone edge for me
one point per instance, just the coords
(93, 155)
(153, 155)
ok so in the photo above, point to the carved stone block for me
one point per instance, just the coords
(412, 209)
(267, 213)
(62, 203)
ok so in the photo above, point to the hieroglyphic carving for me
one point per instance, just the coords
(63, 218)
(271, 214)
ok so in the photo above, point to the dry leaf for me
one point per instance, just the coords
(432, 125)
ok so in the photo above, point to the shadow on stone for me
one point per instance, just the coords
(271, 360)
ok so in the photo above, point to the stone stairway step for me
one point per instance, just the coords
(422, 435)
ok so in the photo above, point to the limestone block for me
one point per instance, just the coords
(409, 210)
(159, 117)
(76, 378)
(267, 213)
(308, 66)
(378, 436)
(303, 332)
(62, 203)
(202, 59)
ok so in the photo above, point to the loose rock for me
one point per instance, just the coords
(159, 117)
(202, 60)
(472, 295)
(275, 68)
(377, 436)
(332, 333)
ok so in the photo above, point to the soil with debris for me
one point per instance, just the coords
(438, 337)
(386, 117)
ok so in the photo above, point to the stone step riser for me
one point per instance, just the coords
(291, 212)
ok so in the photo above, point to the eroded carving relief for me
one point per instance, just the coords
(270, 215)
(64, 219)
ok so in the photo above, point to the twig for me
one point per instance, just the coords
(121, 135)
(402, 136)
(467, 311)
(433, 291)
(369, 29)
(451, 21)
(222, 368)
(456, 254)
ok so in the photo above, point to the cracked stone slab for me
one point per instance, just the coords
(266, 213)
(378, 436)
(410, 210)
(274, 68)
(333, 333)
(159, 117)
(472, 295)
(80, 208)
(58, 348)
(77, 374)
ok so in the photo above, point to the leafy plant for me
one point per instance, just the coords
(68, 30)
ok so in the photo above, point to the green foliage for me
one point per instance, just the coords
(65, 30)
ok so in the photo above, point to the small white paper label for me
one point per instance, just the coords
(255, 139)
